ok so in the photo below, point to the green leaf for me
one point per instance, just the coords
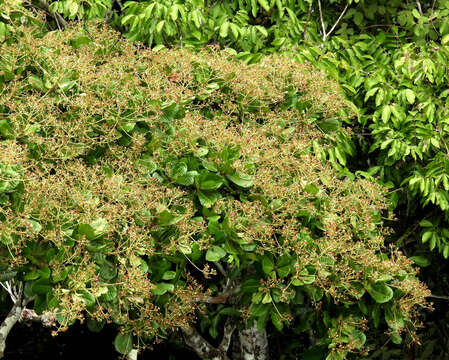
(169, 275)
(386, 112)
(173, 12)
(426, 236)
(95, 326)
(210, 181)
(446, 251)
(6, 130)
(267, 299)
(187, 179)
(202, 151)
(160, 26)
(224, 29)
(380, 292)
(99, 226)
(240, 179)
(41, 286)
(262, 30)
(87, 297)
(445, 39)
(215, 253)
(86, 230)
(33, 226)
(276, 319)
(267, 265)
(410, 95)
(36, 82)
(123, 343)
(162, 288)
(107, 271)
(420, 260)
(264, 4)
(425, 223)
(283, 271)
(80, 41)
(208, 198)
(396, 338)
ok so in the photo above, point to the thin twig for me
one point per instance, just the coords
(322, 20)
(323, 26)
(338, 20)
(309, 13)
(119, 3)
(43, 5)
(439, 297)
(221, 269)
(419, 7)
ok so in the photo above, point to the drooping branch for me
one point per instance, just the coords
(323, 26)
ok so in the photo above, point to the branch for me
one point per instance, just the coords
(119, 3)
(338, 20)
(47, 319)
(220, 299)
(11, 319)
(43, 5)
(439, 297)
(228, 331)
(326, 34)
(419, 7)
(309, 13)
(322, 21)
(202, 347)
(221, 269)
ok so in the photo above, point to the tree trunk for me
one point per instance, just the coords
(253, 343)
(202, 347)
(10, 320)
(247, 344)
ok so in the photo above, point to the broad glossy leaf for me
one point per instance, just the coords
(215, 253)
(380, 292)
(123, 343)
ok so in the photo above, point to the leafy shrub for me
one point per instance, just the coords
(142, 188)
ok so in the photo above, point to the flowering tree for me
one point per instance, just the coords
(168, 191)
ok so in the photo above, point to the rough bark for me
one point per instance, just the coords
(253, 343)
(202, 347)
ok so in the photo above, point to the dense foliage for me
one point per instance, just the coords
(389, 58)
(126, 176)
